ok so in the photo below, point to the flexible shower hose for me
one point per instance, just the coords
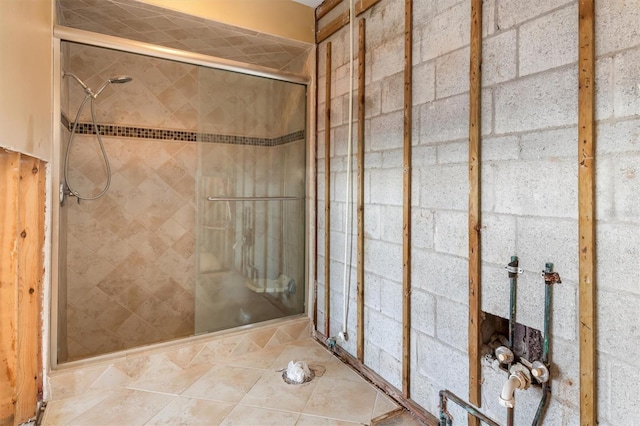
(71, 191)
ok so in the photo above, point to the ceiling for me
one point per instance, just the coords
(151, 24)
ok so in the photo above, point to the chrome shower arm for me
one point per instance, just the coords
(84, 86)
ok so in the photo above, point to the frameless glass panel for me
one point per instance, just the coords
(251, 210)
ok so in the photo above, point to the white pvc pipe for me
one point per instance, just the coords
(347, 214)
(508, 389)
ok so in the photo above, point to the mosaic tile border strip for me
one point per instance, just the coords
(180, 135)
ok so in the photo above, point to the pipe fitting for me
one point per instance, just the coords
(519, 378)
(504, 355)
(331, 343)
(540, 372)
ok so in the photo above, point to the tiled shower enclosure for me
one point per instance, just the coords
(202, 228)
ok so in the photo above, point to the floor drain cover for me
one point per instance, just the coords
(316, 371)
(291, 382)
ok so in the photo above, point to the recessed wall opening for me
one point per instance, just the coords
(202, 227)
(527, 342)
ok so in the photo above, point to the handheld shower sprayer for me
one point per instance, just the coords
(113, 80)
(120, 79)
(66, 188)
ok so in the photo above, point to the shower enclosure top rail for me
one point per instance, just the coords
(284, 198)
(132, 46)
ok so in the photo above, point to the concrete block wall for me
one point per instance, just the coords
(529, 194)
(530, 177)
(618, 210)
(440, 200)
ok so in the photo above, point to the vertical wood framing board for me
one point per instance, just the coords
(315, 200)
(327, 194)
(30, 264)
(9, 195)
(360, 159)
(586, 213)
(474, 205)
(406, 209)
(42, 203)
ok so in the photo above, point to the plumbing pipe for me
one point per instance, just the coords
(347, 252)
(550, 278)
(509, 389)
(513, 270)
(546, 390)
(445, 417)
(520, 378)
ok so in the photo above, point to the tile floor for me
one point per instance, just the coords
(227, 380)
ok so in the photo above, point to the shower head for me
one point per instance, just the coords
(120, 79)
(113, 80)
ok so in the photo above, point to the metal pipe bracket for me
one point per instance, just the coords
(513, 269)
(551, 277)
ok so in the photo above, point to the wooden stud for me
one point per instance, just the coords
(406, 210)
(327, 194)
(42, 191)
(9, 210)
(316, 203)
(332, 27)
(21, 259)
(586, 213)
(30, 273)
(474, 205)
(325, 7)
(360, 159)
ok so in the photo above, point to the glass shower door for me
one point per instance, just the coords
(251, 200)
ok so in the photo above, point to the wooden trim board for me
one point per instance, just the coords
(341, 20)
(325, 7)
(379, 382)
(364, 5)
(332, 27)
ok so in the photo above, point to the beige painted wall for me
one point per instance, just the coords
(25, 76)
(284, 18)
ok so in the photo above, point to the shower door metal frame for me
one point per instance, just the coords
(66, 34)
(61, 33)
